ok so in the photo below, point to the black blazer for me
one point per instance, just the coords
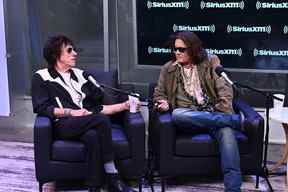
(48, 84)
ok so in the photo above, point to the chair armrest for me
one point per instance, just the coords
(255, 123)
(42, 141)
(134, 126)
(163, 122)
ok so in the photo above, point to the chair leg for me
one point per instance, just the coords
(140, 182)
(40, 186)
(151, 182)
(163, 182)
(257, 181)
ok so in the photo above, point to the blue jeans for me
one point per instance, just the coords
(221, 127)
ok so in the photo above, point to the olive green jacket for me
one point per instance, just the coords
(217, 89)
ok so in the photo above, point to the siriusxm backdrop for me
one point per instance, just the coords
(245, 34)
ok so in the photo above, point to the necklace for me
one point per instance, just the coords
(187, 72)
(187, 75)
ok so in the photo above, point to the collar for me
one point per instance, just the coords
(54, 74)
(172, 67)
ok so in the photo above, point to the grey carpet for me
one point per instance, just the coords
(17, 174)
(17, 167)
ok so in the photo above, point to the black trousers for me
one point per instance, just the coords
(94, 130)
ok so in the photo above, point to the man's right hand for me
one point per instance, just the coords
(80, 112)
(162, 105)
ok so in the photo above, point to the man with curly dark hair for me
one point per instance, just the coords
(189, 87)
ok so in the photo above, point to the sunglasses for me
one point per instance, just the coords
(180, 49)
(70, 49)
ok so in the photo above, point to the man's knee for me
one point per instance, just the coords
(179, 114)
(175, 115)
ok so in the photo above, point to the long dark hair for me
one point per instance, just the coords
(53, 47)
(195, 47)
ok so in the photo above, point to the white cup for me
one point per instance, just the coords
(133, 101)
(277, 103)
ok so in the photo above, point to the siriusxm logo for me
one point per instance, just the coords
(158, 50)
(252, 29)
(225, 5)
(181, 4)
(268, 52)
(225, 51)
(271, 5)
(202, 28)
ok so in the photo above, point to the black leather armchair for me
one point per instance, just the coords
(177, 153)
(59, 160)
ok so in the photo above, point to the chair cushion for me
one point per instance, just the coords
(120, 142)
(203, 145)
(71, 151)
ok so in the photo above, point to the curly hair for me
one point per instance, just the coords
(53, 47)
(195, 48)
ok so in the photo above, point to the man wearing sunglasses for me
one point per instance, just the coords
(189, 87)
(64, 94)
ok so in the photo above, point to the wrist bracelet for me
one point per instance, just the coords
(67, 112)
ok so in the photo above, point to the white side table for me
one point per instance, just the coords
(280, 114)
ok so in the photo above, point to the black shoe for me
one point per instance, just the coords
(115, 184)
(93, 189)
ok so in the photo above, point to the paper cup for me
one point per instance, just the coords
(133, 101)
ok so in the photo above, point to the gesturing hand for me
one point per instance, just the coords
(162, 105)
